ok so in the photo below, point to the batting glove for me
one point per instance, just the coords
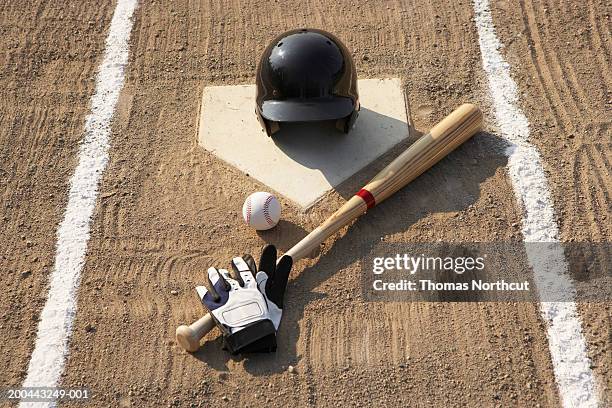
(247, 303)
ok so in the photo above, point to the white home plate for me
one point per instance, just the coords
(302, 161)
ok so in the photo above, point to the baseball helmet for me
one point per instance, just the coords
(306, 75)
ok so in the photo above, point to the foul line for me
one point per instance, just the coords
(572, 366)
(56, 319)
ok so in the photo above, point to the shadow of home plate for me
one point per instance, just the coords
(302, 161)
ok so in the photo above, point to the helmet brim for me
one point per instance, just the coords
(295, 110)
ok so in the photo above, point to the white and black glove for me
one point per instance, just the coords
(247, 304)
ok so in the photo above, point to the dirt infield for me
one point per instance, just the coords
(50, 53)
(168, 209)
(560, 54)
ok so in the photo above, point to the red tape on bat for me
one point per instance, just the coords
(367, 197)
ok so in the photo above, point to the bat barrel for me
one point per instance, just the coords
(443, 138)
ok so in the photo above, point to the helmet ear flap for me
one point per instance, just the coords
(346, 123)
(351, 120)
(268, 126)
(271, 127)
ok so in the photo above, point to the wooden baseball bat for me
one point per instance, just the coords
(429, 149)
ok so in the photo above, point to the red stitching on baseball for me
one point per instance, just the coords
(265, 210)
(248, 217)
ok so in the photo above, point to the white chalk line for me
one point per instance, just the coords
(571, 364)
(56, 319)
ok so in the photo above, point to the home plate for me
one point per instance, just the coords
(303, 160)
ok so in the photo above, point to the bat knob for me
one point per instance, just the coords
(187, 338)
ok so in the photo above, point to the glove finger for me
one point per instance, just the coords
(275, 287)
(232, 284)
(210, 283)
(236, 269)
(242, 267)
(213, 289)
(267, 261)
(261, 277)
(250, 263)
(223, 279)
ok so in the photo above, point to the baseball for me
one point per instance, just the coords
(261, 210)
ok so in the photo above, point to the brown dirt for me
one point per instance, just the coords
(560, 55)
(50, 52)
(168, 209)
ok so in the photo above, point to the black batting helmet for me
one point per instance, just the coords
(306, 75)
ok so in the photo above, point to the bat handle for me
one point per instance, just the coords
(188, 337)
